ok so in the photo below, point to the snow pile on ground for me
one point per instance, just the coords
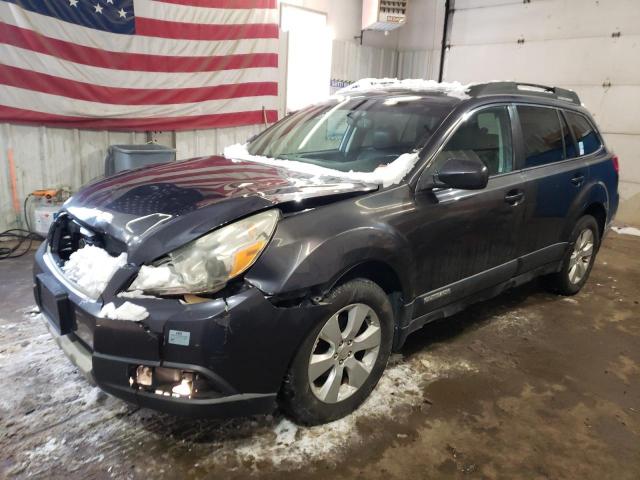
(384, 175)
(48, 449)
(91, 268)
(627, 230)
(452, 89)
(399, 387)
(126, 311)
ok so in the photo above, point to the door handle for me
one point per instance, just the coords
(514, 197)
(577, 179)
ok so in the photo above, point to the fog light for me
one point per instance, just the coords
(184, 388)
(144, 375)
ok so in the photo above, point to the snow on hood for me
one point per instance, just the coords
(384, 175)
(91, 268)
(452, 89)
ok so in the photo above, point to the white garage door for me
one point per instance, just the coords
(592, 47)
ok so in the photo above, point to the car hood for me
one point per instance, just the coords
(156, 209)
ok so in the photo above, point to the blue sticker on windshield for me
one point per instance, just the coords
(178, 337)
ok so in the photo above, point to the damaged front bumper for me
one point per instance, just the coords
(234, 349)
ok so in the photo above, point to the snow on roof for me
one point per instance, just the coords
(385, 175)
(452, 89)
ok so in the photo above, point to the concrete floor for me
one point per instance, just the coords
(528, 385)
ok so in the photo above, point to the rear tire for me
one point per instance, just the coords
(342, 359)
(579, 259)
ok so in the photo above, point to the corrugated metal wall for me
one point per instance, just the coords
(352, 61)
(592, 47)
(418, 63)
(54, 157)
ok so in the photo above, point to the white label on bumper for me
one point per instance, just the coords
(178, 337)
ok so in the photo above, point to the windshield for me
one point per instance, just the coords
(356, 134)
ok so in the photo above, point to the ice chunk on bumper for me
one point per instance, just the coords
(91, 268)
(126, 311)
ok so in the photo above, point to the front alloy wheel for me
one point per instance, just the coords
(344, 353)
(343, 357)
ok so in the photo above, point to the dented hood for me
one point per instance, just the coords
(156, 209)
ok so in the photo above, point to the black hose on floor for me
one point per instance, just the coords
(24, 240)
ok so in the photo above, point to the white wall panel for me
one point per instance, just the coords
(51, 158)
(543, 20)
(578, 61)
(352, 61)
(197, 143)
(627, 148)
(56, 157)
(468, 4)
(418, 63)
(566, 43)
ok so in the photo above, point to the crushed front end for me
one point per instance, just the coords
(219, 355)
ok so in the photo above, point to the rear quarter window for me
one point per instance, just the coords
(585, 133)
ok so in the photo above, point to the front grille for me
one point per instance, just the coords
(68, 236)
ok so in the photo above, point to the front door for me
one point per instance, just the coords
(468, 240)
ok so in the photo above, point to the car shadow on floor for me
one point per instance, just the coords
(215, 431)
(476, 316)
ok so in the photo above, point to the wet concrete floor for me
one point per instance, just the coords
(527, 385)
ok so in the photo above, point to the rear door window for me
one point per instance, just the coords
(569, 146)
(585, 133)
(542, 135)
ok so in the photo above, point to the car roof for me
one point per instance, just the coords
(457, 93)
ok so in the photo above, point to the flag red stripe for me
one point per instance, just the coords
(200, 31)
(30, 40)
(225, 3)
(29, 117)
(41, 82)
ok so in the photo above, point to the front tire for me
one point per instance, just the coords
(342, 359)
(579, 259)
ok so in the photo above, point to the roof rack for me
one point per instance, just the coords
(506, 88)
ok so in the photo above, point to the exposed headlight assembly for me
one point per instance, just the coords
(206, 265)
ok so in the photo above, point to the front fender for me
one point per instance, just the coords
(310, 251)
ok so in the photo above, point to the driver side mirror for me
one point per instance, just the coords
(458, 173)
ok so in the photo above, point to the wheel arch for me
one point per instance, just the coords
(597, 211)
(593, 200)
(312, 264)
(379, 272)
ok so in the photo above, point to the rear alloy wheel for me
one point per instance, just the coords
(578, 260)
(343, 357)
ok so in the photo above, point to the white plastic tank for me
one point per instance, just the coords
(44, 214)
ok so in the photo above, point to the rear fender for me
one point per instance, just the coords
(592, 193)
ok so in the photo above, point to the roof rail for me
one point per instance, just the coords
(506, 88)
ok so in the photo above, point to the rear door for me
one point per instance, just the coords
(554, 174)
(466, 240)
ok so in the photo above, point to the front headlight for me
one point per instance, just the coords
(208, 263)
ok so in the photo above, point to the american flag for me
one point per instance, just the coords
(138, 64)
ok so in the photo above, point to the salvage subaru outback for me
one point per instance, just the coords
(285, 272)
